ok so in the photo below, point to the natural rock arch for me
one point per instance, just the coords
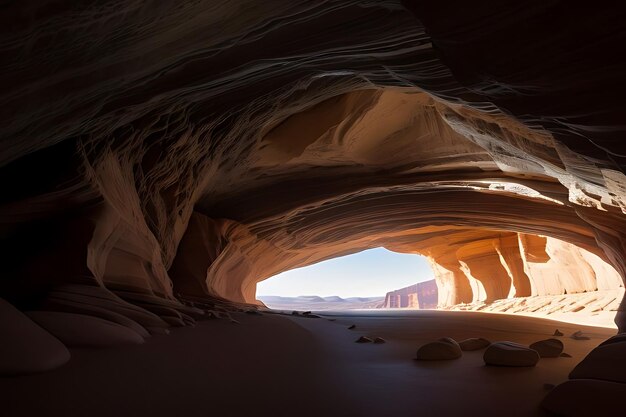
(176, 152)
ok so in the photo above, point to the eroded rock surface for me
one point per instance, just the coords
(188, 170)
(422, 295)
(26, 347)
(85, 331)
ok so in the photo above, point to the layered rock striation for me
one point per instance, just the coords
(473, 266)
(422, 295)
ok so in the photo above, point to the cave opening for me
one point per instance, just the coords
(160, 159)
(467, 270)
(363, 280)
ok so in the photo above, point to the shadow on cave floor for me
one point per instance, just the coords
(279, 365)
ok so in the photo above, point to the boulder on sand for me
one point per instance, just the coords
(510, 354)
(548, 348)
(363, 339)
(607, 362)
(578, 335)
(474, 343)
(573, 398)
(443, 349)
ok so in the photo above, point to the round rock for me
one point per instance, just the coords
(548, 348)
(578, 335)
(606, 362)
(448, 340)
(363, 339)
(474, 343)
(510, 354)
(440, 350)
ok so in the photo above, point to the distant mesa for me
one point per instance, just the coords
(422, 295)
(311, 298)
(316, 303)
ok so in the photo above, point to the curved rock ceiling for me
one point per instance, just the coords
(193, 149)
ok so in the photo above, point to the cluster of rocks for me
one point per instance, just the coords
(502, 353)
(93, 317)
(367, 339)
(306, 314)
(601, 376)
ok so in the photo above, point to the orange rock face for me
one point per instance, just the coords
(481, 266)
(474, 266)
(422, 295)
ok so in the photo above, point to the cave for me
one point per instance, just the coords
(159, 159)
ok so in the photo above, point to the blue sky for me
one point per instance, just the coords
(365, 274)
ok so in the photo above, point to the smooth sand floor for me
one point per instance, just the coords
(277, 365)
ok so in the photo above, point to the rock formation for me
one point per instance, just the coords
(159, 159)
(483, 266)
(27, 348)
(510, 354)
(422, 295)
(514, 272)
(474, 343)
(548, 348)
(443, 349)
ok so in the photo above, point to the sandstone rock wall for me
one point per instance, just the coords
(192, 150)
(492, 266)
(422, 295)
